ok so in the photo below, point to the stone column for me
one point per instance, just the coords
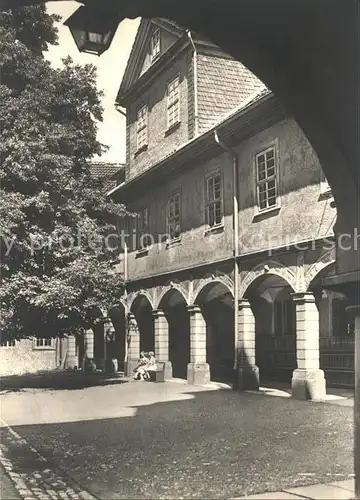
(72, 360)
(161, 328)
(134, 347)
(198, 371)
(247, 371)
(110, 363)
(89, 364)
(308, 381)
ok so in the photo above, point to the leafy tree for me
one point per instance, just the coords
(55, 221)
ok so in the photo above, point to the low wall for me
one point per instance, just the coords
(25, 357)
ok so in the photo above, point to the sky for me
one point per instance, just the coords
(111, 66)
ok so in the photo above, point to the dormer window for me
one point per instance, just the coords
(155, 45)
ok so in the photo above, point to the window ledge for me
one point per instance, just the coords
(44, 348)
(173, 242)
(268, 212)
(140, 150)
(172, 129)
(141, 252)
(218, 228)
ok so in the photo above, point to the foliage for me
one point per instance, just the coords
(55, 265)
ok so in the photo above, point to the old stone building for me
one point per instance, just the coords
(234, 230)
(225, 261)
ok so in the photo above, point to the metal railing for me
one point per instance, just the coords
(276, 356)
(338, 361)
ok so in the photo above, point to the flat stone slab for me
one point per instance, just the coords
(273, 495)
(322, 492)
(348, 484)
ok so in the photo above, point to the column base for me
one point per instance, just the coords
(198, 373)
(246, 378)
(111, 366)
(308, 384)
(168, 370)
(71, 363)
(89, 365)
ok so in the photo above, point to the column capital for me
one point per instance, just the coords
(194, 309)
(243, 304)
(307, 297)
(158, 313)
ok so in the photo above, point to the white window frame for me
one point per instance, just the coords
(274, 177)
(141, 125)
(142, 229)
(211, 203)
(155, 44)
(44, 344)
(175, 219)
(173, 102)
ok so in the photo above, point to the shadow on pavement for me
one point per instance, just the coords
(217, 444)
(59, 380)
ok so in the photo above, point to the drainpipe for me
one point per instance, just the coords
(125, 295)
(196, 113)
(235, 237)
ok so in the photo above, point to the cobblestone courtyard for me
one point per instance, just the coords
(171, 440)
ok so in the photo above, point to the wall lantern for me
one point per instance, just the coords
(92, 30)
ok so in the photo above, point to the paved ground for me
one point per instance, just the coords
(7, 488)
(171, 440)
(340, 490)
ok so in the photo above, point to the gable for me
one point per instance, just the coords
(140, 57)
(166, 41)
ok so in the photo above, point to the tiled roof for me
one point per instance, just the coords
(112, 173)
(223, 84)
(102, 170)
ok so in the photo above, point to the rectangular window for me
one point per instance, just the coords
(173, 216)
(44, 343)
(214, 202)
(141, 127)
(155, 44)
(173, 103)
(143, 237)
(266, 183)
(7, 343)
